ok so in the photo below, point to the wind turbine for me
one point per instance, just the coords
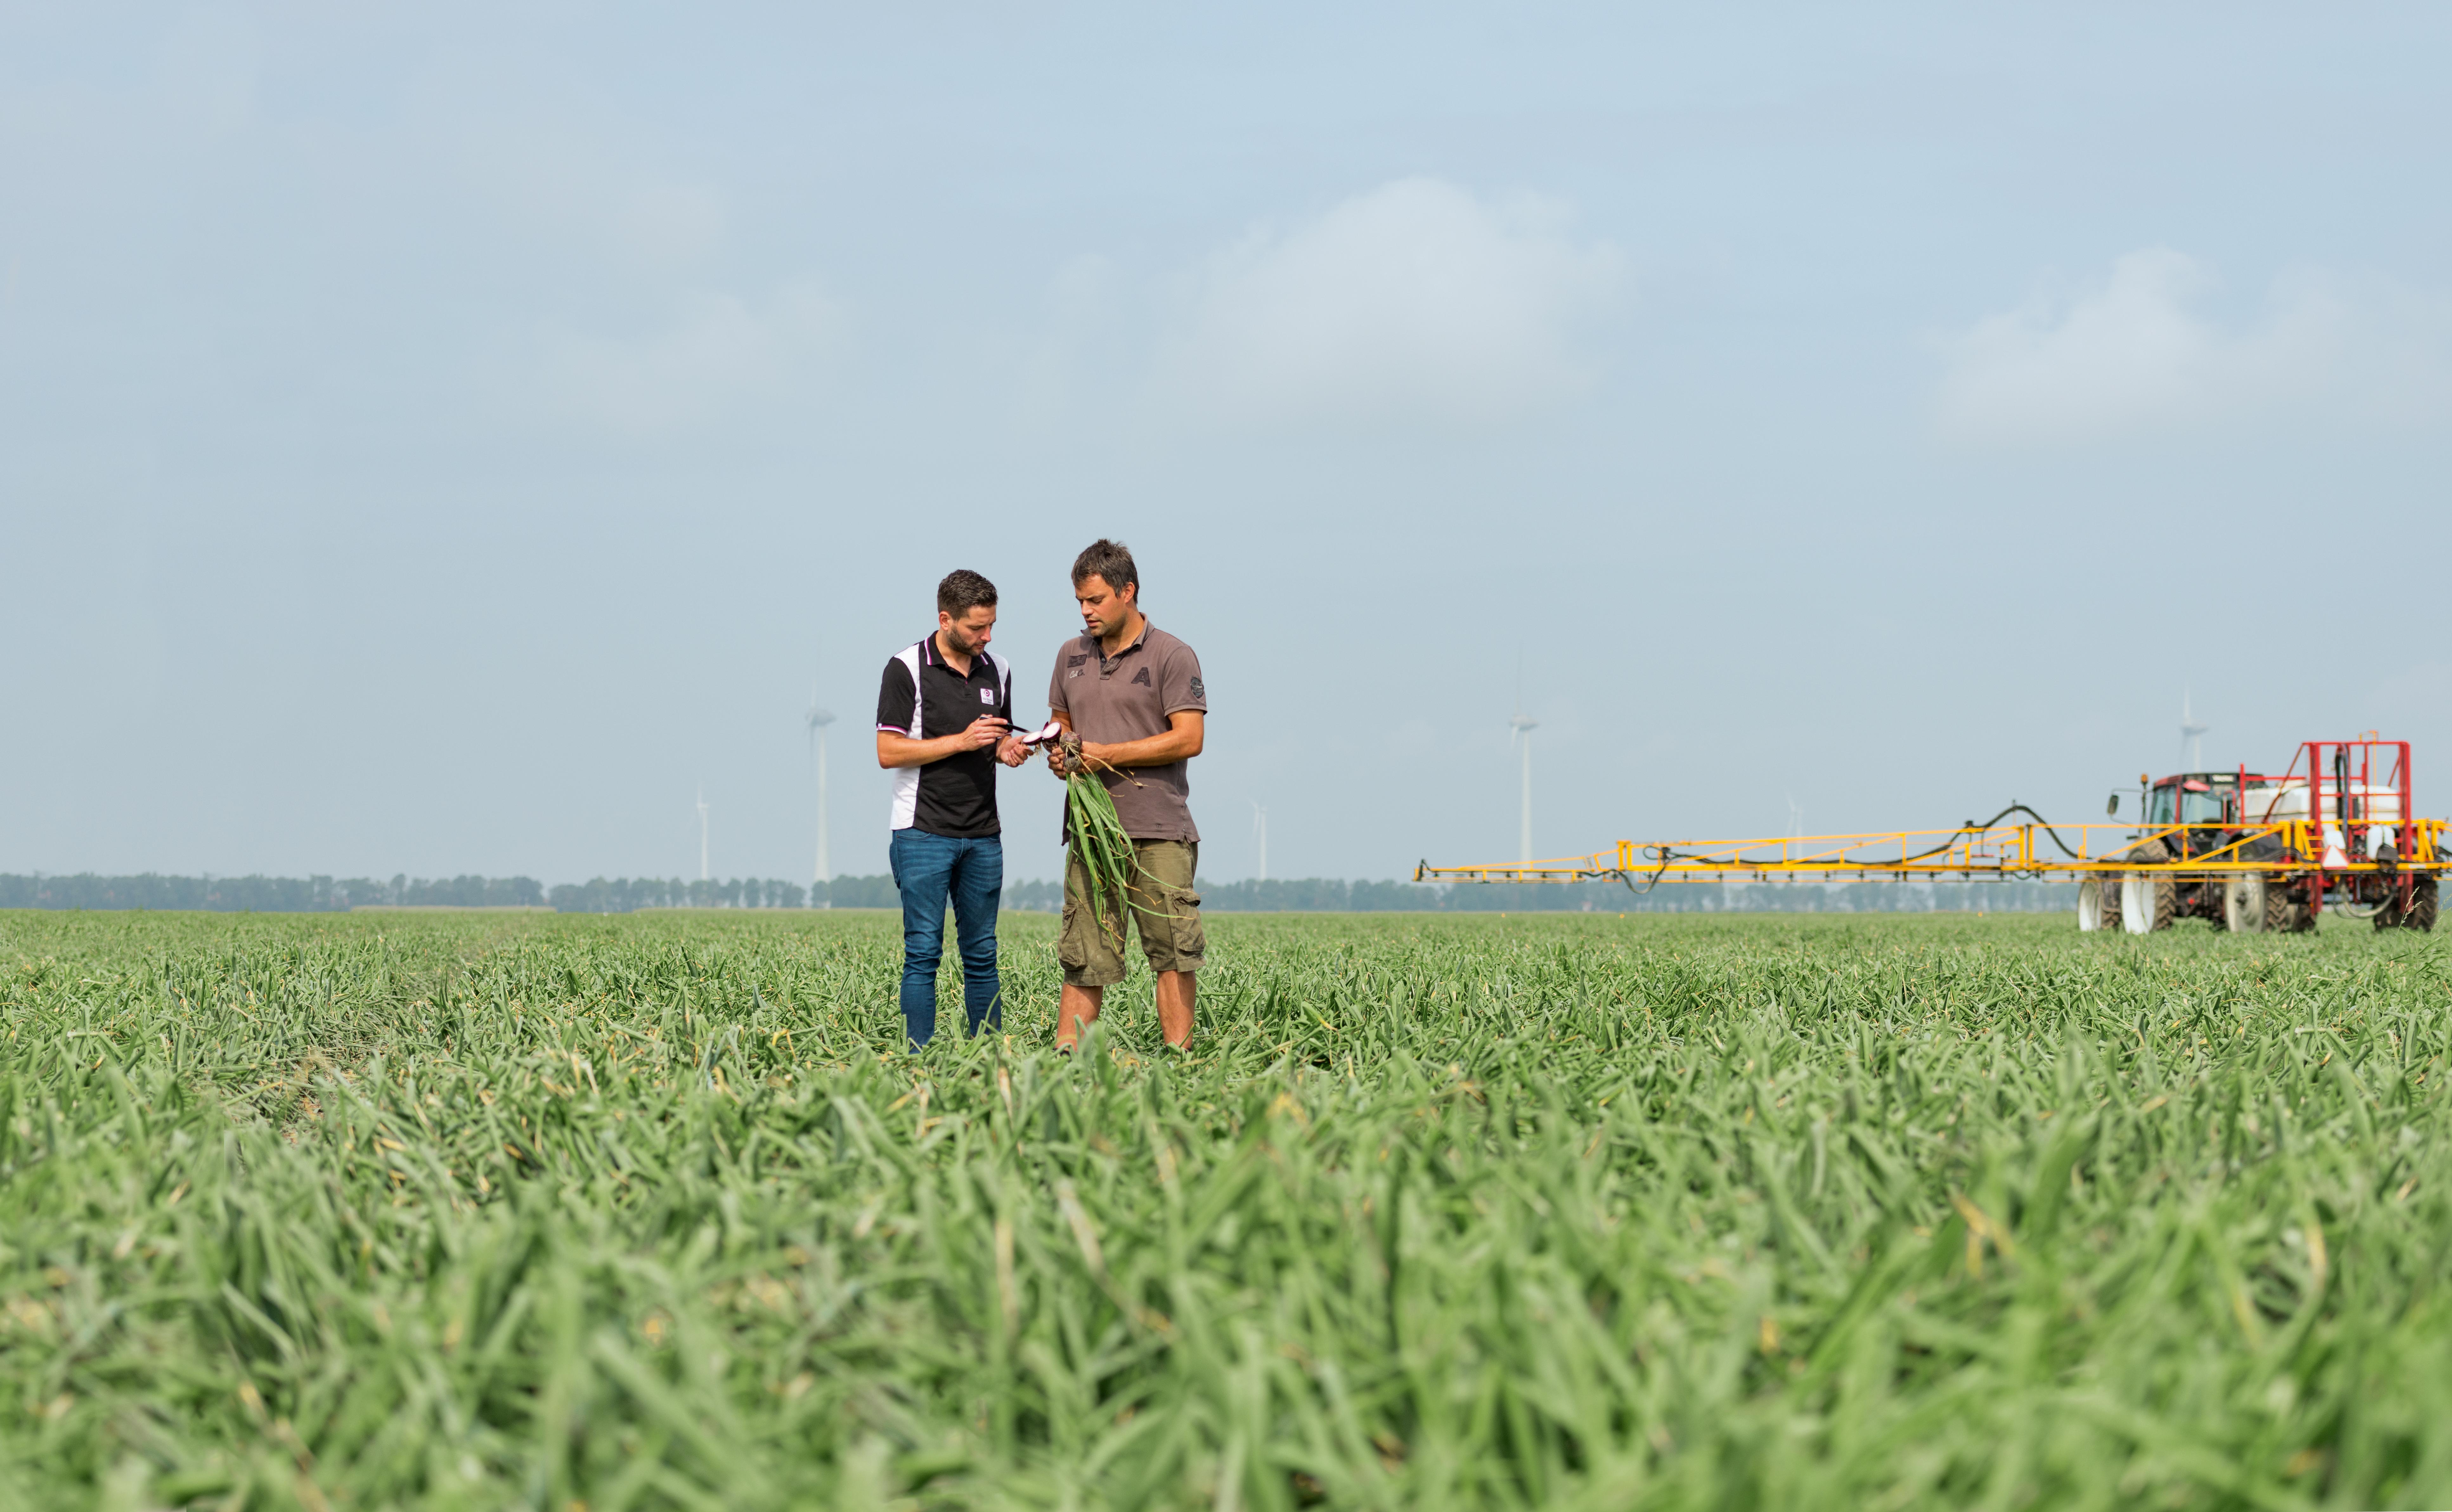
(1261, 823)
(701, 835)
(1795, 817)
(1520, 730)
(819, 719)
(2192, 737)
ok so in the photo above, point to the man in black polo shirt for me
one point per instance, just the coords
(944, 718)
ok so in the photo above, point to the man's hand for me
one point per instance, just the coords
(895, 749)
(1013, 753)
(1055, 747)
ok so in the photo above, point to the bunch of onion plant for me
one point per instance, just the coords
(1096, 834)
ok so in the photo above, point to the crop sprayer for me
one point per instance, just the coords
(2247, 851)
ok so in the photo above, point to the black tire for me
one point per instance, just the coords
(2103, 894)
(2284, 913)
(2166, 891)
(2420, 914)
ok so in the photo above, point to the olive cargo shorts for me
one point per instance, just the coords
(1164, 907)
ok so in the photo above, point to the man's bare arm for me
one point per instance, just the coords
(1180, 744)
(895, 749)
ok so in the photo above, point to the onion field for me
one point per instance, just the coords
(492, 1211)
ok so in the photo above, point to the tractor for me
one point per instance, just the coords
(2249, 851)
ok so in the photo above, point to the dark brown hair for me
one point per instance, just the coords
(963, 591)
(1109, 559)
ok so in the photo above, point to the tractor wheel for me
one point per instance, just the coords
(2098, 905)
(2148, 903)
(2283, 913)
(2244, 906)
(2420, 914)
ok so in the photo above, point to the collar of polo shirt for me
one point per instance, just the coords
(1106, 663)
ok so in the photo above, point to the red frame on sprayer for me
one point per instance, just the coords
(2347, 786)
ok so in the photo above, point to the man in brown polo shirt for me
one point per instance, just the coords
(1133, 694)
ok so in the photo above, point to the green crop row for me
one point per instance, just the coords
(468, 1211)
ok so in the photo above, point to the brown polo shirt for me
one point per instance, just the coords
(1127, 697)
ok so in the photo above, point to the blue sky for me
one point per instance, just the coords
(442, 439)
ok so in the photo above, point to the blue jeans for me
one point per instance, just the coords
(927, 868)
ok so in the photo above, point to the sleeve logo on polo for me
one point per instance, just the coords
(1196, 690)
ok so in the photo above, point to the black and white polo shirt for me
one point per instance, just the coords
(924, 697)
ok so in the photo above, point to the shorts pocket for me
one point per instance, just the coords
(1187, 942)
(1072, 938)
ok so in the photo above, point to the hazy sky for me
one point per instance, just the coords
(440, 439)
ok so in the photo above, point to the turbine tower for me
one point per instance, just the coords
(2192, 737)
(1521, 728)
(819, 719)
(1261, 824)
(701, 835)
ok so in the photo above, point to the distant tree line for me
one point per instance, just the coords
(864, 892)
(1329, 895)
(625, 896)
(266, 894)
(1310, 895)
(322, 894)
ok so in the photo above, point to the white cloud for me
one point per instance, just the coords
(717, 352)
(573, 187)
(1082, 328)
(665, 222)
(2131, 354)
(1414, 303)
